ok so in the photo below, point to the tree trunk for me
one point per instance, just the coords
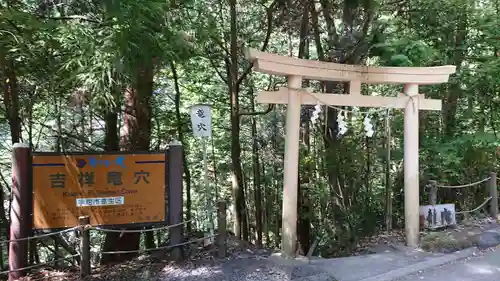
(347, 42)
(11, 97)
(241, 222)
(136, 137)
(4, 222)
(180, 134)
(267, 205)
(332, 143)
(111, 143)
(274, 205)
(388, 184)
(11, 103)
(450, 104)
(304, 204)
(256, 178)
(303, 208)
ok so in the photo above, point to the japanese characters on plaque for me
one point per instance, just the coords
(201, 120)
(111, 189)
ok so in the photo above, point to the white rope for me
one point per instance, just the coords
(464, 185)
(159, 248)
(139, 230)
(391, 106)
(39, 265)
(473, 210)
(39, 236)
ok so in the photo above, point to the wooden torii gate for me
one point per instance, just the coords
(294, 96)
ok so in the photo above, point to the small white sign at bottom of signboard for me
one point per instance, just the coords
(102, 201)
(440, 215)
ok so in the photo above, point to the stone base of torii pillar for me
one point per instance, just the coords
(294, 96)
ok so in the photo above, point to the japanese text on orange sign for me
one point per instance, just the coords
(111, 189)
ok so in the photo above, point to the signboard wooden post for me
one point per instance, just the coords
(175, 195)
(20, 219)
(112, 189)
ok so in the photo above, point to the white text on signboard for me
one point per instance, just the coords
(104, 201)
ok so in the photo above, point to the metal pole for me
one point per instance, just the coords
(207, 188)
(215, 170)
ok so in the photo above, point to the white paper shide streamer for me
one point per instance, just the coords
(368, 126)
(341, 122)
(316, 112)
(341, 118)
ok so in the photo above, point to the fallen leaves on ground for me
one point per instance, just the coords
(458, 235)
(147, 266)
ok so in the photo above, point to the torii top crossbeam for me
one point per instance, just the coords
(294, 96)
(329, 71)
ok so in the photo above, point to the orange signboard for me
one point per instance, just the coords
(110, 188)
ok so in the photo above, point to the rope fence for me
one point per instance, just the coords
(491, 188)
(464, 185)
(39, 236)
(158, 248)
(140, 230)
(105, 230)
(475, 209)
(39, 265)
(84, 250)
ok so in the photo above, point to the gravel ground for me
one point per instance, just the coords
(240, 269)
(244, 263)
(233, 270)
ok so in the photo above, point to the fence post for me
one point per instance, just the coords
(174, 198)
(221, 229)
(433, 192)
(494, 195)
(20, 213)
(84, 221)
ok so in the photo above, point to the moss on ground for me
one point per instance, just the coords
(443, 242)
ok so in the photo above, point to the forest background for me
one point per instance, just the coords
(121, 75)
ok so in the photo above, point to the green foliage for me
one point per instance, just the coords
(404, 52)
(85, 54)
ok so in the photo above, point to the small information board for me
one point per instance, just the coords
(113, 189)
(437, 216)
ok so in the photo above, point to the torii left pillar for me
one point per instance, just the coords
(291, 169)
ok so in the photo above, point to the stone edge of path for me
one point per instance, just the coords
(414, 268)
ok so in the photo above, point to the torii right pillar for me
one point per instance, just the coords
(294, 96)
(411, 166)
